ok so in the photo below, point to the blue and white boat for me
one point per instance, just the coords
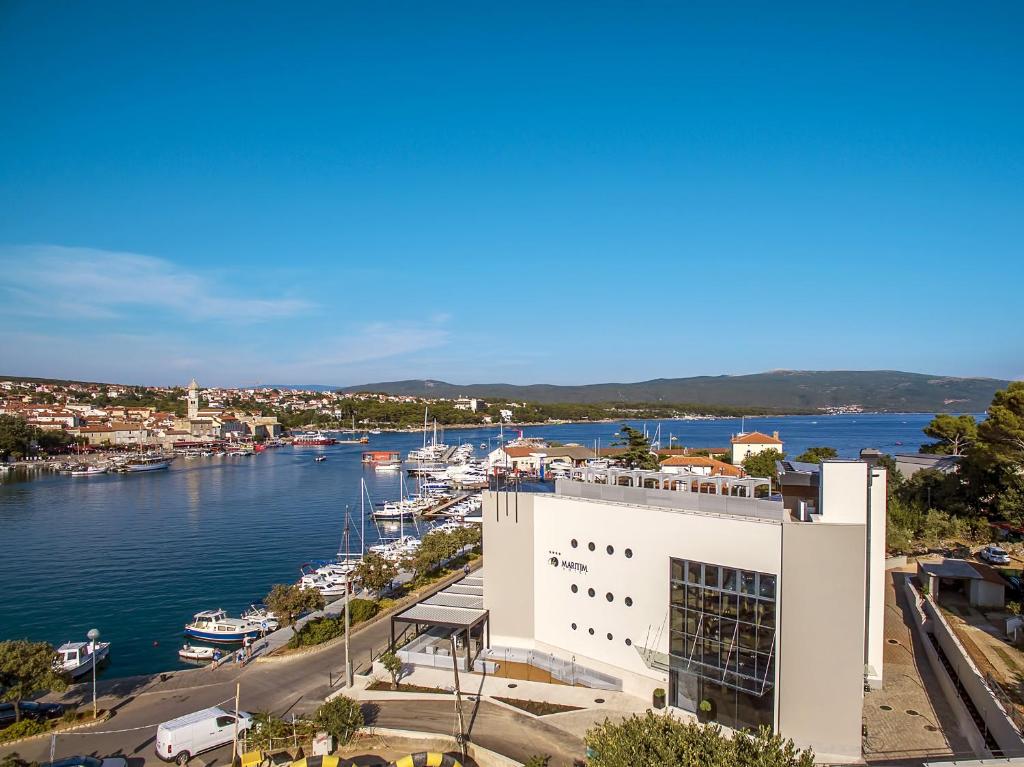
(216, 626)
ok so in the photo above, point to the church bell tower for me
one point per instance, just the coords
(193, 400)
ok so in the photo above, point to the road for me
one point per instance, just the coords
(296, 684)
(493, 727)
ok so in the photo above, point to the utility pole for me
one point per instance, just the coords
(348, 565)
(234, 737)
(461, 736)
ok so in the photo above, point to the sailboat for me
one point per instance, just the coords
(397, 548)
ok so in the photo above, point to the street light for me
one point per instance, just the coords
(93, 635)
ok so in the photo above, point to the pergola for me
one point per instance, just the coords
(458, 609)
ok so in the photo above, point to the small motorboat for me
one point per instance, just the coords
(88, 471)
(320, 458)
(77, 658)
(216, 626)
(191, 652)
(261, 616)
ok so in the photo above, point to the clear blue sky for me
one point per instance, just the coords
(566, 193)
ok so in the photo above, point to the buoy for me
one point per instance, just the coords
(156, 643)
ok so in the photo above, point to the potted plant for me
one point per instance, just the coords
(659, 698)
(706, 711)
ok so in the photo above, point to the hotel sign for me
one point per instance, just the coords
(555, 560)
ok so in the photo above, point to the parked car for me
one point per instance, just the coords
(88, 761)
(995, 555)
(30, 709)
(180, 739)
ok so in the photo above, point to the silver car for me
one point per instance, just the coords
(995, 555)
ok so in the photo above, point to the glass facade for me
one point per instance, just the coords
(722, 643)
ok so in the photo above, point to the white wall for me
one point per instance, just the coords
(876, 578)
(654, 536)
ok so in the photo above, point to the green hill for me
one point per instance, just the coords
(877, 390)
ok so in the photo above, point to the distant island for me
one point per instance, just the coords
(791, 391)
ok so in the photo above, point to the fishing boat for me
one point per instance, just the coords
(216, 626)
(88, 471)
(77, 658)
(147, 463)
(191, 652)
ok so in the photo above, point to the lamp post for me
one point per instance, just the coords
(93, 635)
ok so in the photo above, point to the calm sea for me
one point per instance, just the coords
(136, 555)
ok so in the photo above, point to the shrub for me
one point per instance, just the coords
(22, 729)
(361, 610)
(341, 717)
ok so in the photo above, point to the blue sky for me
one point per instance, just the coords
(565, 193)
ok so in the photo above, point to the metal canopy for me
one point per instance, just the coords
(472, 591)
(441, 615)
(446, 599)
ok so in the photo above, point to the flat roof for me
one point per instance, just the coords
(952, 568)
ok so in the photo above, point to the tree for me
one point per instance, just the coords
(763, 464)
(1001, 434)
(341, 717)
(393, 665)
(656, 739)
(817, 454)
(26, 667)
(16, 436)
(376, 572)
(289, 602)
(953, 434)
(638, 454)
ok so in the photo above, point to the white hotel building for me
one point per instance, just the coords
(768, 611)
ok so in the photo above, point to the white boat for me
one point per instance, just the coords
(88, 471)
(261, 615)
(147, 463)
(77, 658)
(328, 587)
(216, 626)
(320, 458)
(394, 550)
(191, 652)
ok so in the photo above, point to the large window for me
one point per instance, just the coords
(722, 643)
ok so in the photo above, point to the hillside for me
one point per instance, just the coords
(882, 390)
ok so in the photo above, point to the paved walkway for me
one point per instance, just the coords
(894, 734)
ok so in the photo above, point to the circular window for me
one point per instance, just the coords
(610, 597)
(574, 588)
(610, 637)
(629, 642)
(629, 601)
(574, 543)
(591, 632)
(574, 627)
(610, 549)
(591, 592)
(629, 553)
(591, 546)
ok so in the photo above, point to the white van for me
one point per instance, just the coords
(180, 739)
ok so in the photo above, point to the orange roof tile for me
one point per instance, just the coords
(755, 438)
(719, 467)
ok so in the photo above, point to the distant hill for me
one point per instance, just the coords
(877, 390)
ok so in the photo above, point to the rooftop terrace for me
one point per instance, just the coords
(683, 491)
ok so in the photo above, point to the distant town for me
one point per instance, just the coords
(101, 414)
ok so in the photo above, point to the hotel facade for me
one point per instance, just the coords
(748, 610)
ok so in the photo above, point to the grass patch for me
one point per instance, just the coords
(1008, 659)
(386, 687)
(537, 708)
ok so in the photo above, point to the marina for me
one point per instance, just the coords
(152, 549)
